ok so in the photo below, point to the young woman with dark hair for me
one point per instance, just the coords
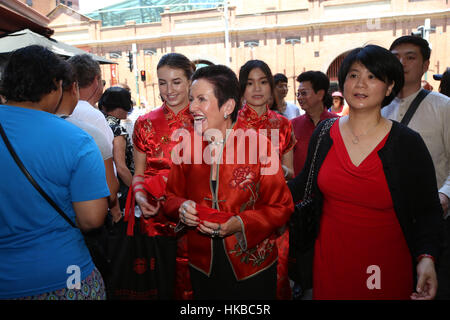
(377, 232)
(257, 87)
(152, 157)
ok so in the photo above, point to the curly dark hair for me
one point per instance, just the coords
(115, 97)
(31, 73)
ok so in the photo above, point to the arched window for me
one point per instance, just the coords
(333, 69)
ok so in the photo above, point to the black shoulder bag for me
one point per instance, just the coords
(413, 106)
(95, 239)
(303, 226)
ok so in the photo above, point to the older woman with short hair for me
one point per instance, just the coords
(233, 212)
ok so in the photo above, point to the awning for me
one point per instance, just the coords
(23, 38)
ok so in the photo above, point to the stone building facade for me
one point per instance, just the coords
(45, 6)
(292, 36)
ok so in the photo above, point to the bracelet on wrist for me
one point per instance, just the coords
(425, 256)
(138, 186)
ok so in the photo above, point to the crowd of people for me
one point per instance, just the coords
(215, 172)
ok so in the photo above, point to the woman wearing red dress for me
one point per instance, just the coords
(377, 203)
(152, 150)
(257, 88)
(230, 208)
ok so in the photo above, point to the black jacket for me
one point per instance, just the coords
(411, 180)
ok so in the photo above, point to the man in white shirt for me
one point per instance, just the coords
(67, 104)
(432, 118)
(91, 85)
(287, 109)
(432, 121)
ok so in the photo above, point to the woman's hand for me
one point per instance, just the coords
(426, 280)
(188, 213)
(147, 209)
(228, 228)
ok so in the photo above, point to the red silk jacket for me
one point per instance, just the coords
(152, 136)
(249, 119)
(262, 203)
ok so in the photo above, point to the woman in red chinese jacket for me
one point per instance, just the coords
(152, 148)
(257, 88)
(236, 207)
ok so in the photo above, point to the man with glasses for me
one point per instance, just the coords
(312, 90)
(91, 85)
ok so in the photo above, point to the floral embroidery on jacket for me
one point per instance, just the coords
(243, 177)
(256, 255)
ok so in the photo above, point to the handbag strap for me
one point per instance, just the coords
(308, 190)
(413, 106)
(31, 179)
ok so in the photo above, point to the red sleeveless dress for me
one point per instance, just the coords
(360, 252)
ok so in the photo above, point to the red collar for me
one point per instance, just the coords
(171, 115)
(251, 116)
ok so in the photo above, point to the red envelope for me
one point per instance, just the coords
(212, 215)
(155, 187)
